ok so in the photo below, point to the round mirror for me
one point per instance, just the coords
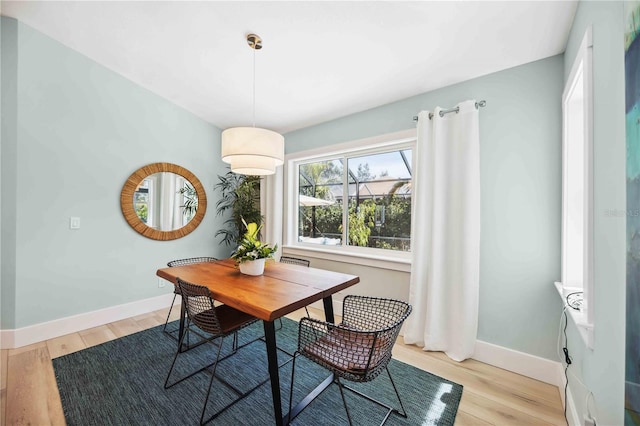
(163, 201)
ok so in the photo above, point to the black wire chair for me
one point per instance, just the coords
(220, 322)
(296, 261)
(176, 290)
(356, 350)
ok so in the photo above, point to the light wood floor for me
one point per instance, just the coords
(491, 395)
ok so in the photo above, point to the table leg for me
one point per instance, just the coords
(272, 358)
(328, 309)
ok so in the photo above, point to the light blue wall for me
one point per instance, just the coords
(8, 158)
(520, 138)
(81, 130)
(602, 369)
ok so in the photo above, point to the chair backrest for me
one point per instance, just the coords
(373, 313)
(190, 260)
(200, 307)
(294, 260)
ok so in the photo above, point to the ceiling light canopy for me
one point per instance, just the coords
(252, 150)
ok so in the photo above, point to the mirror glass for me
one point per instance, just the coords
(163, 201)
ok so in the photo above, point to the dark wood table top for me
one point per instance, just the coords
(282, 289)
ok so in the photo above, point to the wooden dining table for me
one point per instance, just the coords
(280, 290)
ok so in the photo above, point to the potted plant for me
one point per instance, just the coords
(252, 253)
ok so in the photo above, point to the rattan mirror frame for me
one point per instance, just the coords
(129, 213)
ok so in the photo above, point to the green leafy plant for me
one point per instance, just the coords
(361, 221)
(250, 247)
(190, 205)
(142, 211)
(240, 197)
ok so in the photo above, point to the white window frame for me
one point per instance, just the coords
(581, 72)
(388, 259)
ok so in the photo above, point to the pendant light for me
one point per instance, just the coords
(252, 150)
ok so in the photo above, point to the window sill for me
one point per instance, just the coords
(383, 262)
(579, 318)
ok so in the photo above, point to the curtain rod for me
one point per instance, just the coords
(480, 104)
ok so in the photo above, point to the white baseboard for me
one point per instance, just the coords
(48, 330)
(532, 366)
(528, 365)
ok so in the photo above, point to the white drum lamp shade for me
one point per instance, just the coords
(252, 165)
(252, 150)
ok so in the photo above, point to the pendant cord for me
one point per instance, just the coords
(254, 87)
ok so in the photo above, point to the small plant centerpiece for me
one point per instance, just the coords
(251, 253)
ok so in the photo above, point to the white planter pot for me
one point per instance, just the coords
(252, 267)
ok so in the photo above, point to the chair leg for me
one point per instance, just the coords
(213, 375)
(344, 401)
(169, 314)
(186, 330)
(187, 327)
(390, 409)
(179, 351)
(175, 357)
(404, 413)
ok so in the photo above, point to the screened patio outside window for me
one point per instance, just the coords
(371, 195)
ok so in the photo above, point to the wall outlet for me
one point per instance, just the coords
(74, 223)
(161, 282)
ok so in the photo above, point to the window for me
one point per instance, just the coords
(355, 199)
(141, 202)
(577, 199)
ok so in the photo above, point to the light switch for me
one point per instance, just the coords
(74, 223)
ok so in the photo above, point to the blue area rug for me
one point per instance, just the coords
(121, 383)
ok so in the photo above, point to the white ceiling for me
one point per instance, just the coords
(320, 61)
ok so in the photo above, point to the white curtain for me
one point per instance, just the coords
(168, 203)
(445, 239)
(271, 206)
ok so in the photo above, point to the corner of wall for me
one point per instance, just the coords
(8, 170)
